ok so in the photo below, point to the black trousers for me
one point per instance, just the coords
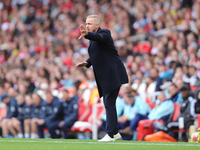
(109, 100)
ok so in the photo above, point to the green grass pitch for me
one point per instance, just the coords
(61, 144)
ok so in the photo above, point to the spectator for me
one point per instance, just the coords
(162, 111)
(165, 86)
(193, 75)
(27, 115)
(174, 95)
(148, 87)
(134, 105)
(39, 107)
(52, 107)
(155, 75)
(197, 102)
(11, 112)
(15, 125)
(187, 109)
(65, 117)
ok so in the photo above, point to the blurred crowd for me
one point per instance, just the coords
(39, 49)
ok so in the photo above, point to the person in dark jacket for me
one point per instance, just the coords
(155, 75)
(15, 125)
(108, 68)
(27, 115)
(174, 94)
(52, 107)
(39, 107)
(197, 102)
(186, 109)
(65, 117)
(11, 104)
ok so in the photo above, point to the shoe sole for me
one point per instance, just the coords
(118, 136)
(106, 141)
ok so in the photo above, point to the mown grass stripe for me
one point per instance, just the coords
(88, 142)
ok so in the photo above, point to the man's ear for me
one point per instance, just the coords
(97, 26)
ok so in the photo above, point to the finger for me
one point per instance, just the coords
(78, 66)
(81, 26)
(80, 37)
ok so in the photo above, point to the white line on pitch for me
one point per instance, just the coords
(68, 142)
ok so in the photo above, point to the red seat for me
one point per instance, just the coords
(177, 111)
(3, 112)
(85, 119)
(193, 88)
(146, 126)
(84, 111)
(148, 101)
(198, 118)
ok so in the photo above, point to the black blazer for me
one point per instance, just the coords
(108, 67)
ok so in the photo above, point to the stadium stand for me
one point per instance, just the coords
(39, 49)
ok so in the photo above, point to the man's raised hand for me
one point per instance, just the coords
(84, 31)
(82, 64)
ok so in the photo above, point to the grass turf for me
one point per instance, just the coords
(60, 144)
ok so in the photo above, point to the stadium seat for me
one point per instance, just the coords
(193, 88)
(177, 111)
(85, 119)
(3, 111)
(146, 126)
(198, 118)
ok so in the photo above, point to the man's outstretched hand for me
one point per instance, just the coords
(84, 31)
(82, 64)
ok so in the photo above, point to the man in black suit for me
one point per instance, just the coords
(108, 69)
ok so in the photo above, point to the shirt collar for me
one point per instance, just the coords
(99, 29)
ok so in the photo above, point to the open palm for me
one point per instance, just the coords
(84, 31)
(82, 64)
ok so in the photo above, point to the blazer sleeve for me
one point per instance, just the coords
(103, 36)
(89, 63)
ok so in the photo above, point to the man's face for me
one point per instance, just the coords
(172, 90)
(184, 93)
(153, 73)
(65, 96)
(192, 71)
(49, 98)
(128, 98)
(91, 25)
(20, 99)
(162, 97)
(36, 99)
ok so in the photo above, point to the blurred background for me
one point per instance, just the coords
(158, 41)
